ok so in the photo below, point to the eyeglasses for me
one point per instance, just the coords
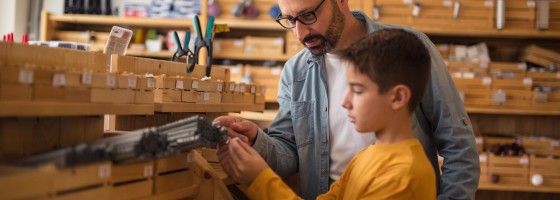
(307, 18)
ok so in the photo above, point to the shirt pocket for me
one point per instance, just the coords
(303, 122)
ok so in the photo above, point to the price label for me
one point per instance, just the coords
(25, 76)
(447, 3)
(253, 89)
(132, 82)
(231, 87)
(179, 84)
(59, 79)
(241, 88)
(194, 84)
(479, 140)
(104, 171)
(190, 158)
(86, 78)
(148, 170)
(482, 158)
(151, 83)
(527, 81)
(276, 71)
(531, 4)
(206, 96)
(522, 66)
(111, 81)
(219, 87)
(524, 160)
(489, 3)
(486, 81)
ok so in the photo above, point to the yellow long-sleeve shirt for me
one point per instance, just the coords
(391, 171)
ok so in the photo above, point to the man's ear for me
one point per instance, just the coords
(400, 97)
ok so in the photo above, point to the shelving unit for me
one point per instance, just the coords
(44, 109)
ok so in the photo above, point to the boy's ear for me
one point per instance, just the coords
(401, 97)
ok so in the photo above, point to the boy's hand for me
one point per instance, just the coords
(238, 127)
(244, 163)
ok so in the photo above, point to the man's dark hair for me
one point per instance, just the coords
(390, 57)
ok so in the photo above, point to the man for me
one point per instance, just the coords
(311, 135)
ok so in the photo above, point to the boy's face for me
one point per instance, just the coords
(367, 109)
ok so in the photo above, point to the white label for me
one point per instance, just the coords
(231, 87)
(524, 160)
(484, 65)
(111, 81)
(527, 81)
(179, 84)
(558, 75)
(522, 66)
(276, 71)
(132, 82)
(151, 83)
(194, 84)
(238, 43)
(263, 89)
(253, 89)
(478, 140)
(486, 81)
(206, 96)
(531, 4)
(25, 76)
(242, 89)
(278, 41)
(148, 171)
(482, 158)
(235, 70)
(219, 87)
(190, 158)
(554, 143)
(59, 79)
(237, 88)
(86, 78)
(447, 3)
(468, 75)
(407, 1)
(104, 171)
(489, 3)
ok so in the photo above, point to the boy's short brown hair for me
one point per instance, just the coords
(390, 57)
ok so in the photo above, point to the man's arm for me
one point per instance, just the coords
(278, 147)
(452, 131)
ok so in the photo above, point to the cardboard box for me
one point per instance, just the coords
(123, 64)
(100, 95)
(16, 92)
(77, 94)
(48, 93)
(189, 96)
(167, 95)
(144, 97)
(209, 97)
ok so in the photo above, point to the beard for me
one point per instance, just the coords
(329, 40)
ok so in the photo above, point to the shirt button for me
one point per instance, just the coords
(326, 108)
(323, 170)
(324, 140)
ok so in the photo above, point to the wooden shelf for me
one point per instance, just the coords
(251, 24)
(511, 111)
(511, 33)
(128, 21)
(40, 109)
(518, 188)
(194, 107)
(234, 56)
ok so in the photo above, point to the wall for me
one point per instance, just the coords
(14, 17)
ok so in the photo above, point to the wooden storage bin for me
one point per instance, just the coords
(262, 6)
(548, 167)
(83, 182)
(513, 170)
(554, 15)
(228, 46)
(541, 56)
(269, 77)
(517, 69)
(264, 45)
(167, 95)
(25, 183)
(209, 97)
(173, 173)
(477, 69)
(520, 14)
(132, 180)
(484, 175)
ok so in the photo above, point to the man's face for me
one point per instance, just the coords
(323, 35)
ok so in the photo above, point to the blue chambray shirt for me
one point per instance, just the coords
(298, 138)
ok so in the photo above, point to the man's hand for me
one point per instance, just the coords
(238, 127)
(244, 163)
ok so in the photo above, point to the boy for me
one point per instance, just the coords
(387, 73)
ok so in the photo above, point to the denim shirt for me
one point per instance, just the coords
(298, 138)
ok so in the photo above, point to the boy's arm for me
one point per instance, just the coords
(248, 168)
(453, 136)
